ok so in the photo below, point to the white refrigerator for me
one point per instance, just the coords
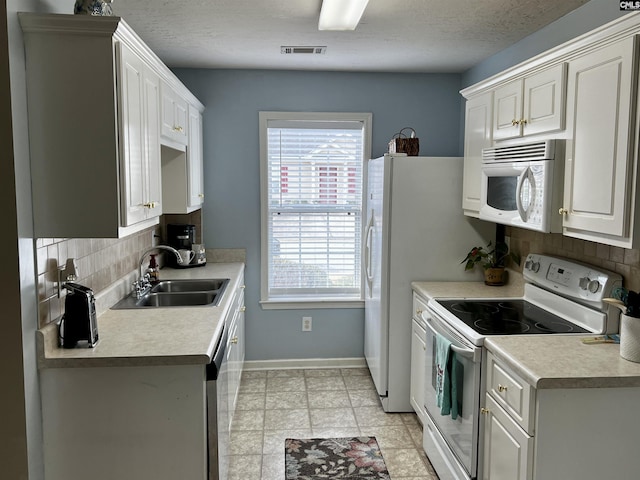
(415, 231)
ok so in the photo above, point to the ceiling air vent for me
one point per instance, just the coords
(303, 50)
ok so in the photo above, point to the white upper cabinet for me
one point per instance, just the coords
(94, 109)
(182, 176)
(599, 191)
(477, 135)
(174, 116)
(195, 159)
(530, 105)
(140, 141)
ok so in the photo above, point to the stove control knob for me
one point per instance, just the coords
(594, 286)
(535, 267)
(584, 283)
(528, 264)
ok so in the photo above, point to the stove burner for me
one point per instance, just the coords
(479, 310)
(554, 327)
(502, 325)
(508, 317)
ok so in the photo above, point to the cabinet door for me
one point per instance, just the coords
(418, 349)
(152, 147)
(194, 159)
(544, 101)
(232, 359)
(507, 110)
(477, 135)
(174, 115)
(132, 161)
(508, 450)
(600, 146)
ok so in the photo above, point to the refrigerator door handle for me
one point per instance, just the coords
(367, 256)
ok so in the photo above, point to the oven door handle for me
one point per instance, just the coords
(465, 352)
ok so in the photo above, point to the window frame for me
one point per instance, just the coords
(295, 302)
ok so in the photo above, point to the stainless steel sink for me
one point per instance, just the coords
(189, 285)
(181, 299)
(178, 293)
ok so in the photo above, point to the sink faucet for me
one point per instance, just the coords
(142, 285)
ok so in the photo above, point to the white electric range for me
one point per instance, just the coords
(560, 297)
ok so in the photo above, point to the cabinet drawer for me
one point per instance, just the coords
(419, 306)
(511, 392)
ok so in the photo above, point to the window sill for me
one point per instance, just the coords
(299, 304)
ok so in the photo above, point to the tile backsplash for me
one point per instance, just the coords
(624, 261)
(100, 262)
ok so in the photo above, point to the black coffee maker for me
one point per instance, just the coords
(181, 237)
(79, 325)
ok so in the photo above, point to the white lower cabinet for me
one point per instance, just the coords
(105, 423)
(418, 357)
(235, 349)
(508, 448)
(576, 433)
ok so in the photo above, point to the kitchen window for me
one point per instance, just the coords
(312, 176)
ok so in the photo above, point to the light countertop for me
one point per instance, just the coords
(151, 336)
(429, 290)
(546, 361)
(563, 361)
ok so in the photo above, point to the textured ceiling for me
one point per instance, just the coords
(393, 35)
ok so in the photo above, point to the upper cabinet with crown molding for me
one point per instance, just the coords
(601, 161)
(94, 105)
(589, 86)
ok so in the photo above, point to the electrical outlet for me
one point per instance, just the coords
(306, 324)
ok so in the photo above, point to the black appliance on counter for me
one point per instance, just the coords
(79, 326)
(181, 237)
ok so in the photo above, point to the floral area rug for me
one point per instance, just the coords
(334, 458)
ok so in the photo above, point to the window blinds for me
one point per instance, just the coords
(314, 208)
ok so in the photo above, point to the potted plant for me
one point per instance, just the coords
(492, 260)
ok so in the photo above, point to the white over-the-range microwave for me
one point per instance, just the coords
(522, 185)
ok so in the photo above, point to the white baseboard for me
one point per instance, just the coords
(304, 363)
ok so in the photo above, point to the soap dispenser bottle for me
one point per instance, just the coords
(153, 270)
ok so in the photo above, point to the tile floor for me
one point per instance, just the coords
(278, 404)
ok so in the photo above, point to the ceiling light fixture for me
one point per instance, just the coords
(341, 14)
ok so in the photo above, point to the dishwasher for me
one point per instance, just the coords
(218, 436)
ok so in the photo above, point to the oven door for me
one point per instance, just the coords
(460, 435)
(517, 193)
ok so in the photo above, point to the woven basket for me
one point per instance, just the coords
(400, 143)
(630, 338)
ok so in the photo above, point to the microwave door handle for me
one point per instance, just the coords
(524, 215)
(465, 352)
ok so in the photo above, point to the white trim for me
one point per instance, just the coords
(263, 118)
(314, 304)
(304, 363)
(69, 24)
(613, 31)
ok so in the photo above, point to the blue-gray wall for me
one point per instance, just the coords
(231, 213)
(430, 103)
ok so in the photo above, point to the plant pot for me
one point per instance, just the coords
(494, 276)
(630, 338)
